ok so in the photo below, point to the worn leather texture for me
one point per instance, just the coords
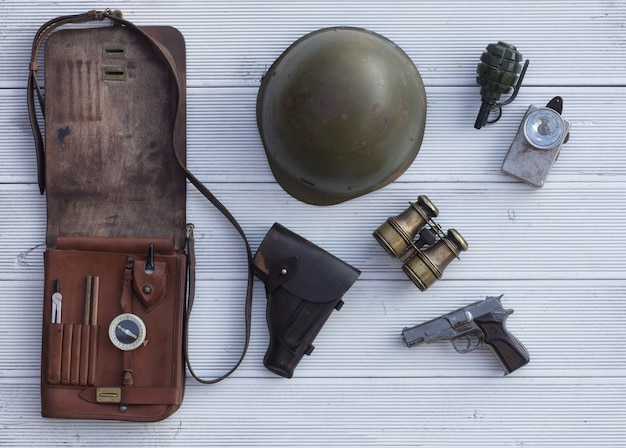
(158, 372)
(304, 284)
(113, 186)
(110, 166)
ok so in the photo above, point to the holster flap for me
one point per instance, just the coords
(321, 277)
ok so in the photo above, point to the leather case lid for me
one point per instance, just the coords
(110, 101)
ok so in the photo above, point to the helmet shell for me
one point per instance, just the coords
(341, 113)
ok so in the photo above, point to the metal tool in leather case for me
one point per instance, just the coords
(304, 284)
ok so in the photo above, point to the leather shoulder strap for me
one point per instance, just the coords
(164, 54)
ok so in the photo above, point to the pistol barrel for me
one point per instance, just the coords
(427, 332)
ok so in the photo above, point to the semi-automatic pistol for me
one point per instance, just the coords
(471, 327)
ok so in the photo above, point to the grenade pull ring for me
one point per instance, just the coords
(497, 73)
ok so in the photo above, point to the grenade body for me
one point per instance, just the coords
(497, 73)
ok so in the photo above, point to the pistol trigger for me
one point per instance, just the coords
(461, 344)
(467, 343)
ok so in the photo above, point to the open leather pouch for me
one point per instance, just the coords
(119, 251)
(113, 354)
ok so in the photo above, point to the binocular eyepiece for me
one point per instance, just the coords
(397, 235)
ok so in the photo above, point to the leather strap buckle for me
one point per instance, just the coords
(109, 395)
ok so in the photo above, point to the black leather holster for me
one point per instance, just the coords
(303, 284)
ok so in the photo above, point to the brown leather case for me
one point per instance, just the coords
(114, 191)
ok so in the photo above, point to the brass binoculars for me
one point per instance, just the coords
(425, 257)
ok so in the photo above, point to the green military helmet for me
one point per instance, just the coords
(341, 113)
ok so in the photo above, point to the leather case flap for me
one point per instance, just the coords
(110, 165)
(319, 277)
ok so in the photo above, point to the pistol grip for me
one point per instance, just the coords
(508, 349)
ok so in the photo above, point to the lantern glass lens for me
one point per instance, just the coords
(544, 128)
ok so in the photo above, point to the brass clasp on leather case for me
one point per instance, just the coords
(114, 51)
(108, 394)
(114, 73)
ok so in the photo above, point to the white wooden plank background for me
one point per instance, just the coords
(557, 254)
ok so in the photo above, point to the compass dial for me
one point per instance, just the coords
(127, 331)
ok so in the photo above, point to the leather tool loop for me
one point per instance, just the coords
(127, 295)
(150, 288)
(126, 303)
